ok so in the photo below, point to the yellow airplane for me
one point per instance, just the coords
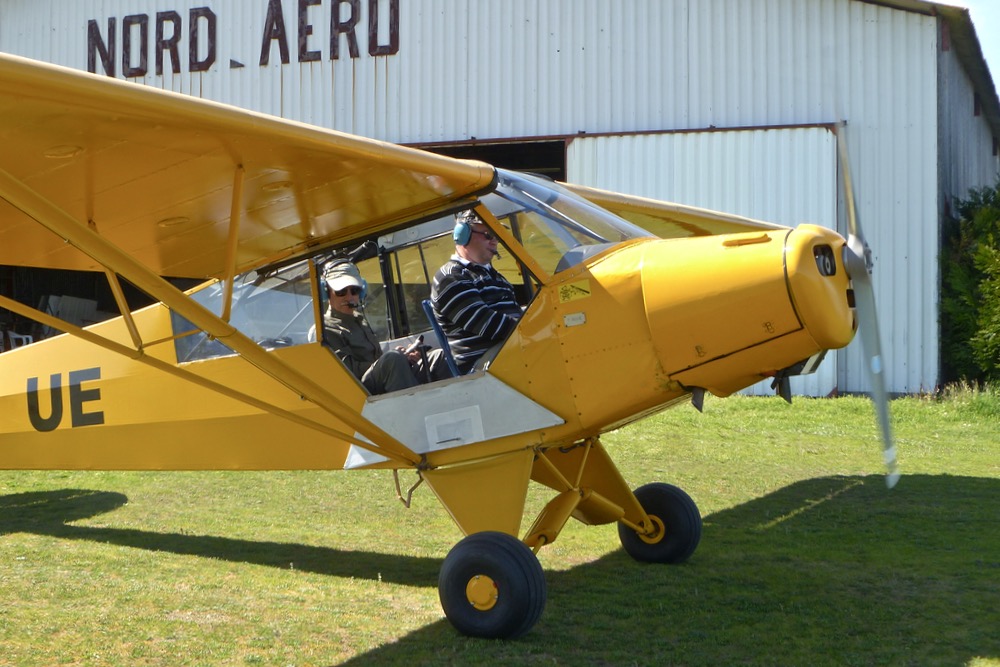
(103, 175)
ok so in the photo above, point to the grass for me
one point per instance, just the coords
(805, 559)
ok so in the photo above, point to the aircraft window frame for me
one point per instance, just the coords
(557, 228)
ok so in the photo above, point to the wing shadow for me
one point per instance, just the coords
(834, 566)
(49, 513)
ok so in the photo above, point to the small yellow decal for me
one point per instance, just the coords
(574, 291)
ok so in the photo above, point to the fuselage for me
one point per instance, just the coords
(618, 324)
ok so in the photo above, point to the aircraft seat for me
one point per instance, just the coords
(442, 339)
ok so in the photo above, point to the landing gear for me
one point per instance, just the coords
(677, 526)
(491, 585)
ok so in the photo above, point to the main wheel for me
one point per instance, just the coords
(491, 585)
(678, 524)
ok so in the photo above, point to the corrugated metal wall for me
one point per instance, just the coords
(787, 176)
(520, 67)
(529, 68)
(970, 151)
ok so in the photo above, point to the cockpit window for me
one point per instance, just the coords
(556, 227)
(274, 308)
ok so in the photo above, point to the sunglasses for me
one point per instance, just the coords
(352, 289)
(489, 236)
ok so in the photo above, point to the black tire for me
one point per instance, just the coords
(518, 583)
(681, 521)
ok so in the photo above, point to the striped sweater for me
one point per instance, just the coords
(476, 307)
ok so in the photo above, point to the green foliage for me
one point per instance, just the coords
(970, 289)
(986, 342)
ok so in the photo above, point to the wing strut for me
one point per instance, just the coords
(114, 259)
(116, 289)
(234, 237)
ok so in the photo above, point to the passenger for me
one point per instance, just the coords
(476, 306)
(349, 335)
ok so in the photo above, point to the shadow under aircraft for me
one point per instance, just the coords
(834, 565)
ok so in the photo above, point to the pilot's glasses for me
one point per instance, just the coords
(489, 236)
(352, 289)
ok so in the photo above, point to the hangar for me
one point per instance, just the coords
(730, 106)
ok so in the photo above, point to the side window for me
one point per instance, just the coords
(375, 304)
(275, 309)
(411, 268)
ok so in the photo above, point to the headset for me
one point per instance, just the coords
(463, 227)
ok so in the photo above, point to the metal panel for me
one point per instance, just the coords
(787, 176)
(970, 149)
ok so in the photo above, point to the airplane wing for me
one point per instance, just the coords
(669, 220)
(160, 176)
(106, 175)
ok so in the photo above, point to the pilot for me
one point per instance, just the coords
(349, 335)
(475, 305)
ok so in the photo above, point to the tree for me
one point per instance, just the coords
(970, 289)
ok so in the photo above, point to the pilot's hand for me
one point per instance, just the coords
(412, 355)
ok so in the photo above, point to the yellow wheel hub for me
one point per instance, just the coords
(659, 530)
(482, 592)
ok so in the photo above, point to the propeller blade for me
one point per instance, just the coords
(858, 261)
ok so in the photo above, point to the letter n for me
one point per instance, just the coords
(96, 45)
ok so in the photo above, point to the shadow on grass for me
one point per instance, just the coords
(831, 571)
(49, 513)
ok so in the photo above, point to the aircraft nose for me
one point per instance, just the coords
(726, 311)
(819, 285)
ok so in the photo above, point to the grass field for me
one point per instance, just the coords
(806, 558)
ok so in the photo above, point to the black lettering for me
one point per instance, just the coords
(274, 29)
(374, 48)
(339, 26)
(97, 46)
(306, 29)
(78, 396)
(194, 17)
(142, 21)
(45, 424)
(168, 44)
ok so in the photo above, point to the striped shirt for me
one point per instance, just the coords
(476, 307)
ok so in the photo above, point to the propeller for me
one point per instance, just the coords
(858, 261)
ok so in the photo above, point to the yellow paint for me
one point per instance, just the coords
(485, 495)
(187, 175)
(482, 592)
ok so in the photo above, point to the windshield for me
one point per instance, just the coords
(556, 227)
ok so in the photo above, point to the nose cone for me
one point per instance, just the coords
(820, 286)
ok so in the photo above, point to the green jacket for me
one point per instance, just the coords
(352, 340)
